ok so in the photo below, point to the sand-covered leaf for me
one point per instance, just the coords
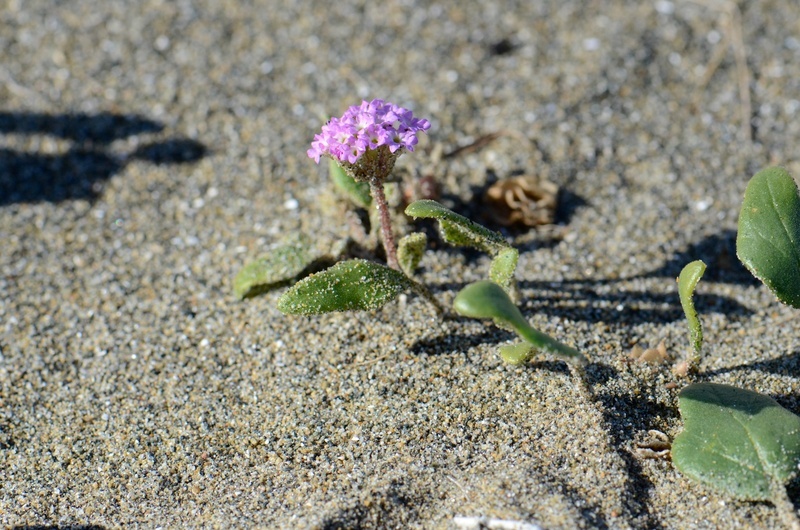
(458, 230)
(353, 285)
(486, 299)
(736, 441)
(410, 250)
(276, 269)
(687, 282)
(357, 192)
(519, 353)
(503, 267)
(768, 241)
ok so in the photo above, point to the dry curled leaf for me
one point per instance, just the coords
(653, 444)
(522, 201)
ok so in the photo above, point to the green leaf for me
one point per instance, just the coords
(486, 299)
(458, 230)
(502, 268)
(687, 282)
(410, 249)
(768, 242)
(354, 285)
(357, 192)
(275, 269)
(519, 353)
(736, 441)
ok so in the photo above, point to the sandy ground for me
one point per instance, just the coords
(149, 149)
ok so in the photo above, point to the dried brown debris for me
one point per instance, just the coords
(522, 201)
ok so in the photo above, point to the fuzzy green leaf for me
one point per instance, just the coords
(458, 230)
(502, 268)
(735, 440)
(768, 242)
(486, 299)
(687, 282)
(410, 249)
(357, 192)
(275, 269)
(354, 285)
(519, 353)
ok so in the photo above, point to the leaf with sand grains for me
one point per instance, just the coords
(737, 441)
(768, 241)
(275, 269)
(410, 250)
(486, 299)
(353, 285)
(458, 230)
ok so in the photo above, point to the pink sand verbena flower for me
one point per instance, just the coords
(368, 138)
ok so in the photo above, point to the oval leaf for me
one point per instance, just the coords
(354, 285)
(687, 282)
(768, 242)
(486, 299)
(736, 441)
(275, 269)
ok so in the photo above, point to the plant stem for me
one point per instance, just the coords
(389, 244)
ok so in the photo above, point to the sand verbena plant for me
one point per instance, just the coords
(366, 141)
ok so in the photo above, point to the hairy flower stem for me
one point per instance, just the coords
(387, 235)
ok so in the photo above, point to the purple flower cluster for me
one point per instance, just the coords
(366, 127)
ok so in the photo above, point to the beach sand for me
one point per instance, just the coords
(148, 150)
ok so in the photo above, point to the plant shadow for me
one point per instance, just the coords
(81, 171)
(586, 300)
(624, 416)
(450, 343)
(591, 300)
(718, 251)
(783, 365)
